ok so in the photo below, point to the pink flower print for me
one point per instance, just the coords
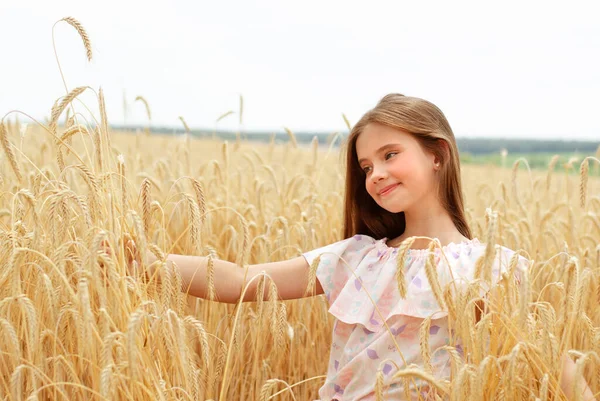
(357, 284)
(336, 364)
(372, 354)
(417, 282)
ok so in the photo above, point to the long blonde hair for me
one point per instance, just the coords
(426, 122)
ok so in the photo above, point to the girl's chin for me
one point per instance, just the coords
(392, 209)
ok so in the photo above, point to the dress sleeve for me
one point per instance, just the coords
(337, 261)
(504, 263)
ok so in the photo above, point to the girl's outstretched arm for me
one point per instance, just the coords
(569, 369)
(290, 277)
(567, 381)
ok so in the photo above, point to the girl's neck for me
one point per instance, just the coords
(431, 221)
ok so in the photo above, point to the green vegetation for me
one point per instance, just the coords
(486, 151)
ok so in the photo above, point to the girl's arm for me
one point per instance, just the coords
(569, 369)
(567, 381)
(290, 277)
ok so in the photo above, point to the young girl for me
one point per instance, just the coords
(402, 180)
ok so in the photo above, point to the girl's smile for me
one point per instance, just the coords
(385, 191)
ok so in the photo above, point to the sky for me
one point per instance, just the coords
(510, 69)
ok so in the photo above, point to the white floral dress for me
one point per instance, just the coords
(361, 344)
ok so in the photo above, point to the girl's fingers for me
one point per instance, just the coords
(132, 255)
(106, 247)
(132, 252)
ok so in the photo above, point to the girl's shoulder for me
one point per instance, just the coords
(359, 276)
(351, 249)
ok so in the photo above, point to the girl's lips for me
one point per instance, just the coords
(388, 189)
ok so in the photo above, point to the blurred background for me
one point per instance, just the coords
(510, 70)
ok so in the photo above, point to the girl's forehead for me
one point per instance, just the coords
(374, 136)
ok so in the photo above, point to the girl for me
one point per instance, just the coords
(402, 181)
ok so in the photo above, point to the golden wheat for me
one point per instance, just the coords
(76, 324)
(82, 33)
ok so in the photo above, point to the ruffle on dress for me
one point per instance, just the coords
(352, 296)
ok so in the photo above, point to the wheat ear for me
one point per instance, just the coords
(103, 117)
(379, 386)
(583, 177)
(432, 275)
(9, 151)
(222, 116)
(59, 107)
(145, 195)
(143, 100)
(312, 276)
(424, 344)
(187, 128)
(82, 33)
(292, 136)
(401, 265)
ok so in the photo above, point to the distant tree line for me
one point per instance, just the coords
(475, 146)
(495, 145)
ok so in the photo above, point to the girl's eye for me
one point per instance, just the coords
(366, 169)
(387, 156)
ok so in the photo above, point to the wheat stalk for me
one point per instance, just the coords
(551, 166)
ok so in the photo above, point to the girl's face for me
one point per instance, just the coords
(399, 173)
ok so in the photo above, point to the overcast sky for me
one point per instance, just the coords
(511, 69)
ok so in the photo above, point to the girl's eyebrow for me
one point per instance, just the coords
(381, 149)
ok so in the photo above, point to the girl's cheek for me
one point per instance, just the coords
(402, 167)
(369, 185)
(407, 166)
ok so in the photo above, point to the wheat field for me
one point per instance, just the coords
(75, 325)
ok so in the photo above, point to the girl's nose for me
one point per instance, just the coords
(379, 173)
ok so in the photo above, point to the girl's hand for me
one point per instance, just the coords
(132, 255)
